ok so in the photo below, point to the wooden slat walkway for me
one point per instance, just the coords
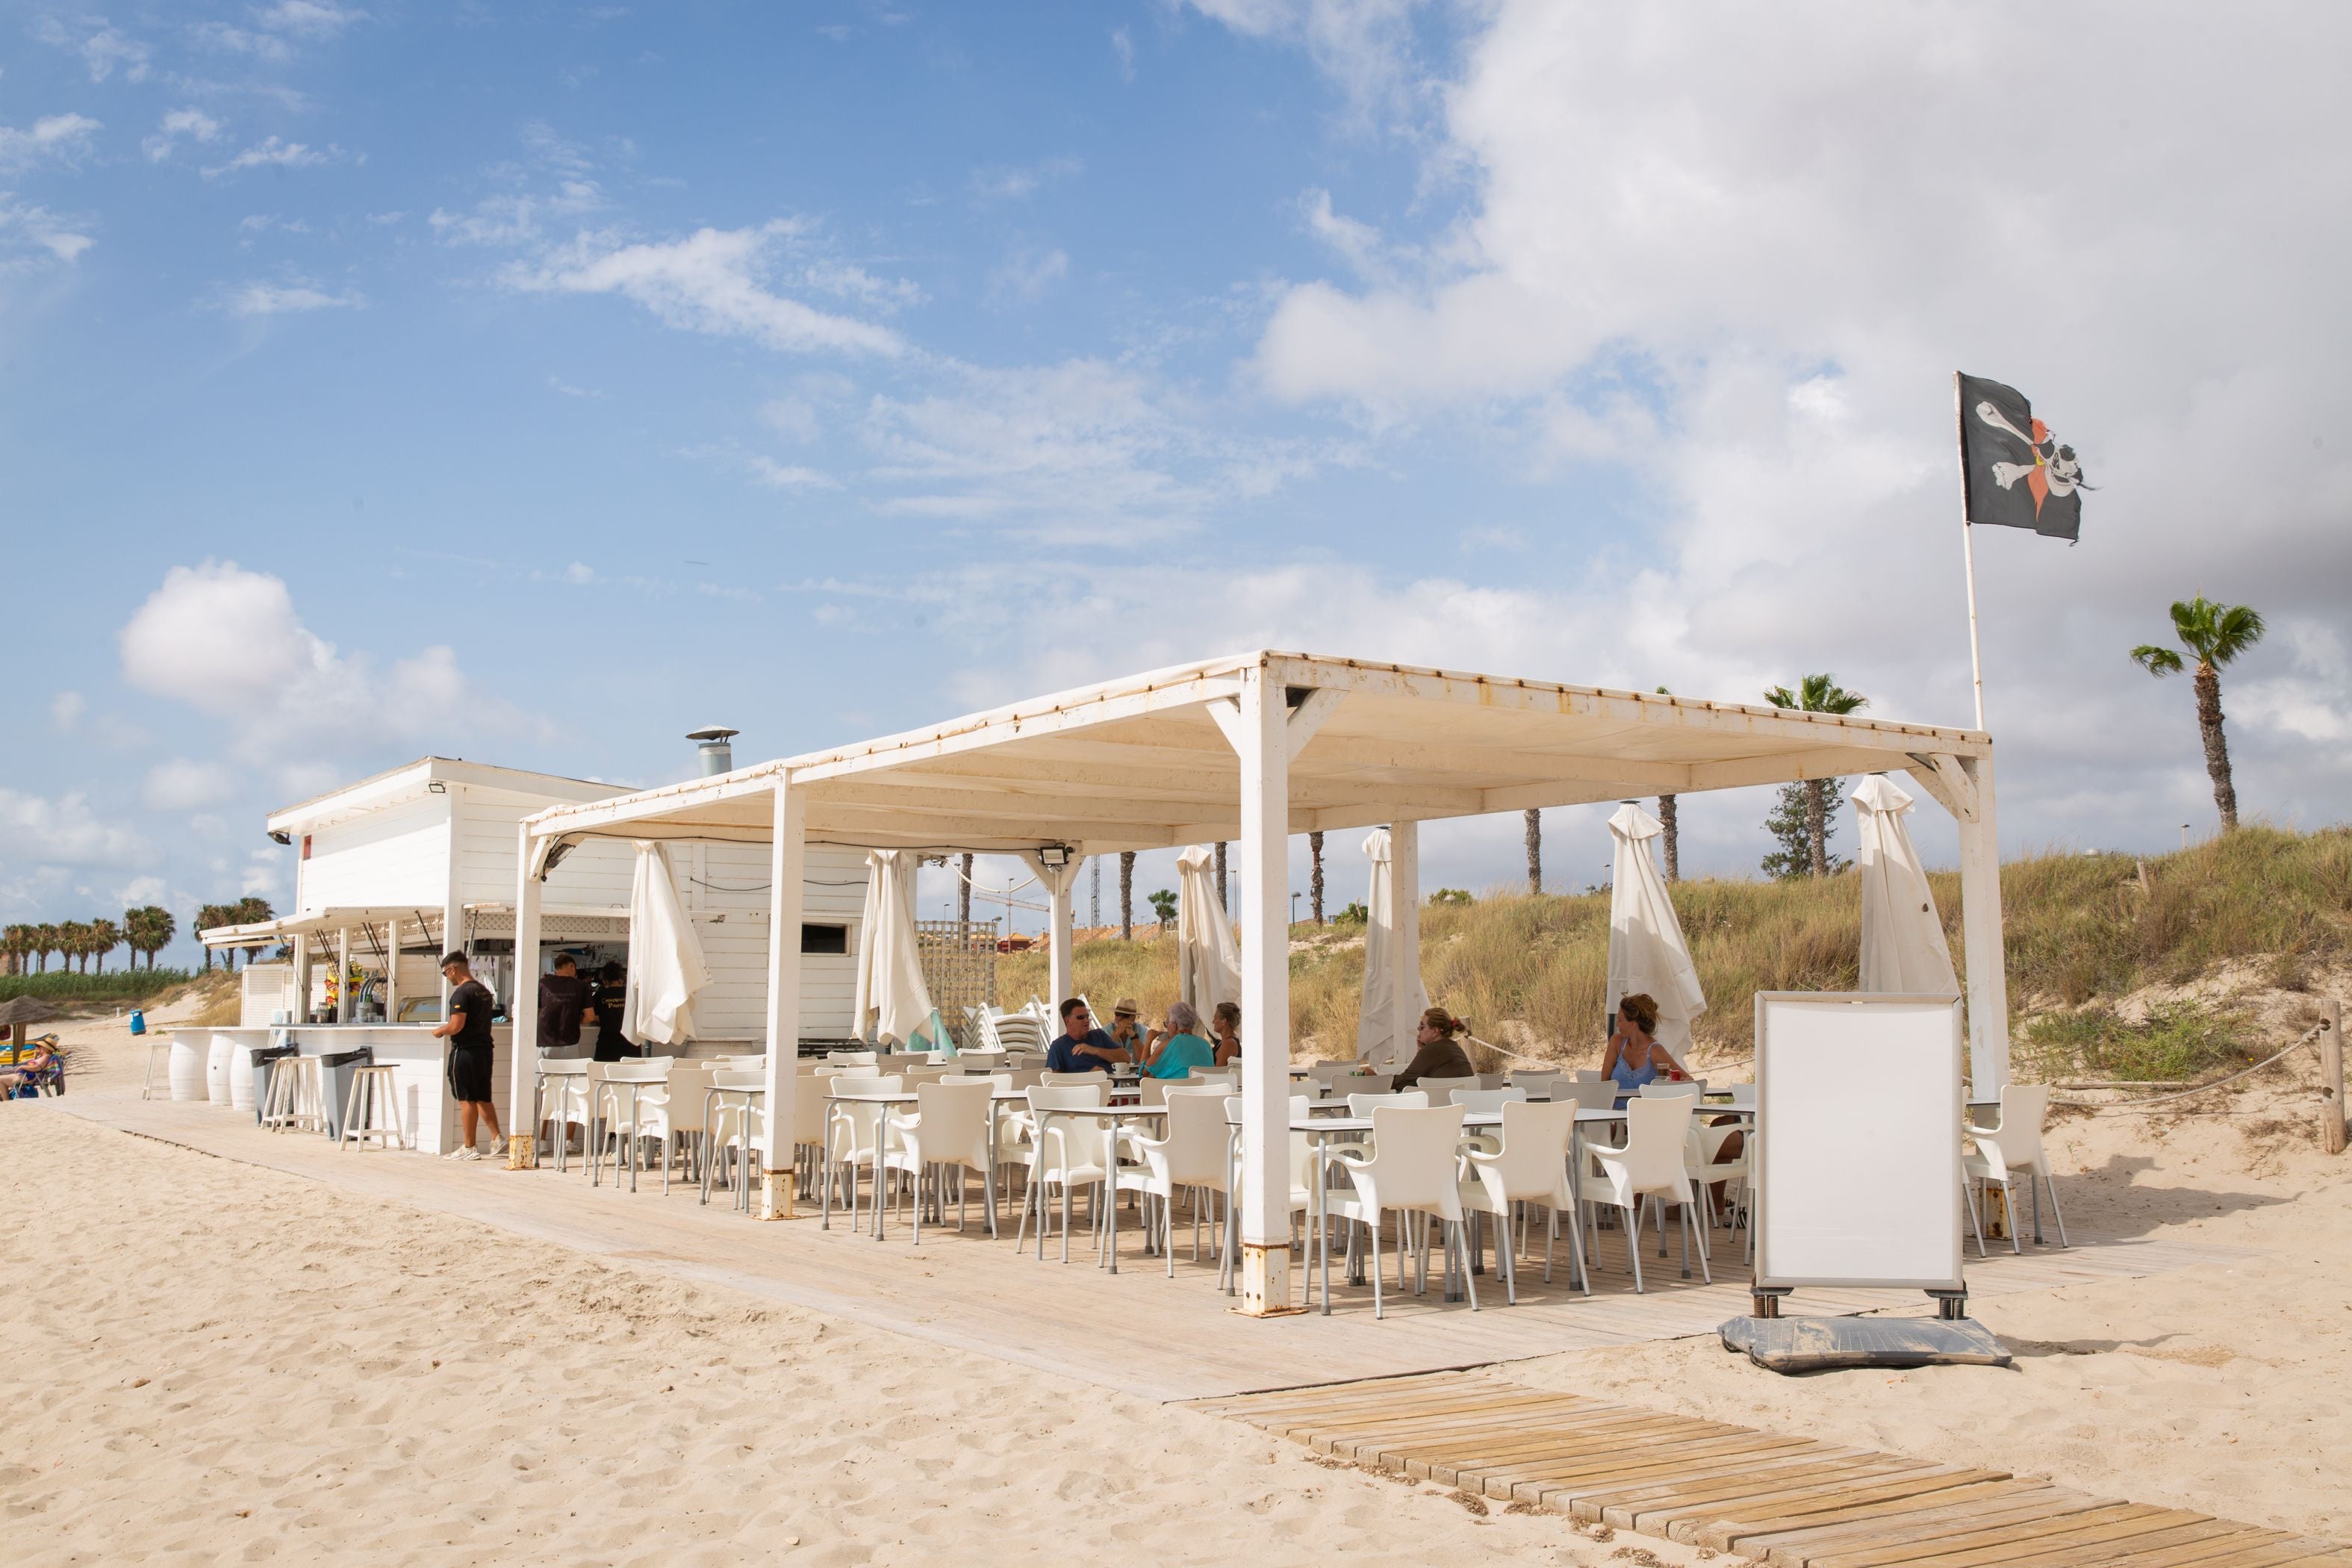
(1790, 1502)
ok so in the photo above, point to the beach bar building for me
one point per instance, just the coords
(396, 870)
(1251, 748)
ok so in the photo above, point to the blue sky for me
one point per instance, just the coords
(535, 383)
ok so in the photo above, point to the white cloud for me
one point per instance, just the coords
(784, 477)
(1028, 273)
(565, 387)
(1733, 257)
(228, 643)
(63, 831)
(274, 153)
(62, 137)
(67, 707)
(180, 785)
(712, 281)
(286, 299)
(142, 890)
(41, 230)
(517, 218)
(1365, 46)
(1010, 182)
(1080, 450)
(194, 125)
(103, 50)
(1122, 45)
(309, 19)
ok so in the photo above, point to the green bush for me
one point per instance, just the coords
(116, 985)
(2174, 1044)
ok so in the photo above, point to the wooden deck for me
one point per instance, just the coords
(1139, 1330)
(1791, 1502)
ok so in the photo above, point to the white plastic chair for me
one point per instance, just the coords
(620, 1115)
(1530, 1167)
(1061, 1152)
(1538, 1085)
(948, 1130)
(564, 1104)
(1064, 1079)
(684, 1106)
(1189, 1156)
(851, 1058)
(737, 1139)
(1226, 1081)
(1361, 1105)
(2012, 1144)
(1485, 1100)
(1590, 1094)
(854, 1139)
(1674, 1089)
(1650, 1163)
(1437, 1088)
(1411, 1171)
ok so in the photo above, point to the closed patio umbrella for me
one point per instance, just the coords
(891, 996)
(666, 965)
(1647, 954)
(1385, 1024)
(1208, 959)
(1903, 948)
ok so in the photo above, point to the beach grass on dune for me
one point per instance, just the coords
(67, 988)
(2082, 932)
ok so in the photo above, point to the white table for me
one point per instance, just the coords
(1111, 1118)
(834, 1102)
(752, 1100)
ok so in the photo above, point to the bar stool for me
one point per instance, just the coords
(296, 1099)
(159, 1049)
(372, 1109)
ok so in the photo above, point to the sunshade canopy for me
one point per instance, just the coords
(21, 1010)
(1143, 762)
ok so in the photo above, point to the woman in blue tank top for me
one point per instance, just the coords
(1634, 1057)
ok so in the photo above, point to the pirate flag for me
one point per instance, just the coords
(2014, 472)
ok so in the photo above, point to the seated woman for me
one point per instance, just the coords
(1634, 1057)
(1177, 1047)
(1436, 1053)
(33, 1065)
(1227, 1024)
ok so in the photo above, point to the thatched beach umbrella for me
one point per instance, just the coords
(19, 1014)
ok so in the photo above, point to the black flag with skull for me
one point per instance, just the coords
(2016, 473)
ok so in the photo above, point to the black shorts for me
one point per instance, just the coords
(470, 1073)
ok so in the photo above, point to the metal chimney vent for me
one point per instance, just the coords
(711, 743)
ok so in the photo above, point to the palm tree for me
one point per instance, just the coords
(1315, 880)
(1127, 895)
(105, 936)
(17, 942)
(45, 942)
(1225, 901)
(1669, 820)
(1535, 850)
(2216, 634)
(1817, 694)
(252, 911)
(146, 929)
(209, 916)
(73, 945)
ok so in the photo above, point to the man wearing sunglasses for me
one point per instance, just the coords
(1081, 1047)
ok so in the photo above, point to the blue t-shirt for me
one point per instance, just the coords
(1182, 1054)
(1064, 1056)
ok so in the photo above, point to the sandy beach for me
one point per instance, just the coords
(226, 1363)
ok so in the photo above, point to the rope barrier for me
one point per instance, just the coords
(2310, 1036)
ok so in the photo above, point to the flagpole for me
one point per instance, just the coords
(1969, 548)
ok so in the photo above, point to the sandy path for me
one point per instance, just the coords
(2224, 1387)
(221, 1364)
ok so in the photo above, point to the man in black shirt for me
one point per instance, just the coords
(612, 1005)
(467, 1030)
(563, 1003)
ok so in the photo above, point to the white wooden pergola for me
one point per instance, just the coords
(1253, 748)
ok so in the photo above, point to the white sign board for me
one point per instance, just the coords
(1858, 1140)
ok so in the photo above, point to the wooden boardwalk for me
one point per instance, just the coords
(1138, 1331)
(1791, 1502)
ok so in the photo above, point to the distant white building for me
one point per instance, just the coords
(395, 870)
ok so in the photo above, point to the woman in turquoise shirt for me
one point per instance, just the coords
(1177, 1047)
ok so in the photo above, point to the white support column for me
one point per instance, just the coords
(1260, 741)
(1982, 943)
(392, 970)
(787, 871)
(301, 1013)
(522, 1056)
(453, 899)
(1404, 888)
(343, 975)
(1059, 955)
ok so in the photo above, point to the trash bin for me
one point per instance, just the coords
(336, 1072)
(262, 1057)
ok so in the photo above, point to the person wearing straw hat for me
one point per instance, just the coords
(1436, 1053)
(1127, 1029)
